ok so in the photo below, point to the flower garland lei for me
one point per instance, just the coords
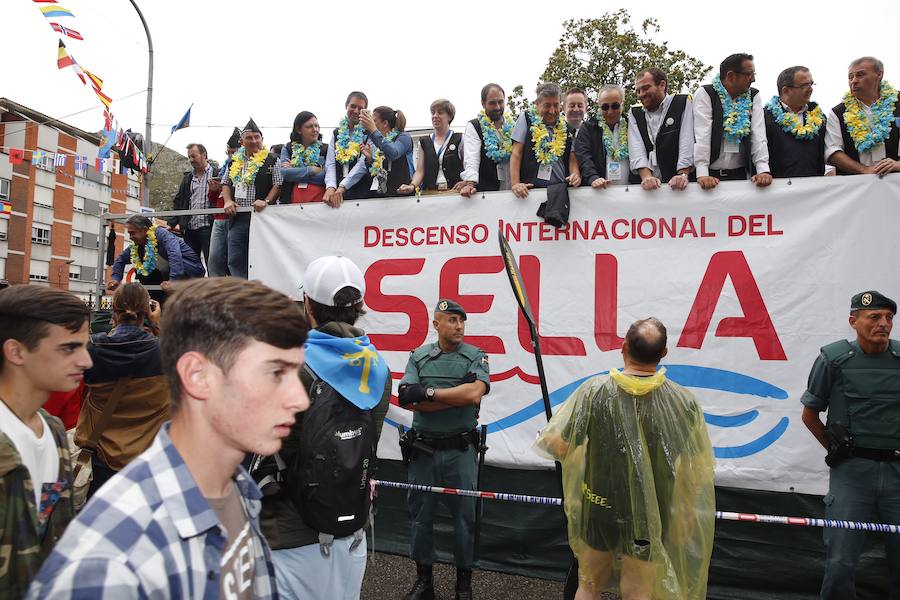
(347, 143)
(498, 148)
(620, 153)
(378, 155)
(792, 123)
(865, 134)
(547, 148)
(736, 121)
(305, 157)
(237, 165)
(148, 265)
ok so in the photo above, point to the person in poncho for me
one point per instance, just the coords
(637, 477)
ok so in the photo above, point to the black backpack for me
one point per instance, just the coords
(329, 476)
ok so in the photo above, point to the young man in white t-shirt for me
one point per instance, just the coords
(43, 349)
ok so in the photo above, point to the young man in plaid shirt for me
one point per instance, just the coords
(182, 519)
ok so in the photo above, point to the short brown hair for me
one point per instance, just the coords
(27, 311)
(657, 74)
(219, 317)
(444, 105)
(200, 148)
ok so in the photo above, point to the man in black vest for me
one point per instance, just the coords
(525, 168)
(348, 179)
(858, 384)
(866, 76)
(246, 184)
(482, 172)
(795, 127)
(719, 155)
(660, 133)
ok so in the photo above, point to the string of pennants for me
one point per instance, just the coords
(112, 136)
(108, 164)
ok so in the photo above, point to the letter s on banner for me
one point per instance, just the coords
(411, 306)
(474, 303)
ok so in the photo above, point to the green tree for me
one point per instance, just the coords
(610, 50)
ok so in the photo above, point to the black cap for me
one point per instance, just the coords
(450, 307)
(251, 126)
(235, 140)
(871, 300)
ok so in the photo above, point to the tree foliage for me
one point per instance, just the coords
(610, 50)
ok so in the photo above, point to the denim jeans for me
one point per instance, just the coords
(239, 244)
(304, 573)
(217, 262)
(198, 240)
(860, 490)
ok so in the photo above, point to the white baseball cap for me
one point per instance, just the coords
(326, 276)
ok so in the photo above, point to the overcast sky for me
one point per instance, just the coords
(284, 57)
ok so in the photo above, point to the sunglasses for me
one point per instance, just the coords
(613, 106)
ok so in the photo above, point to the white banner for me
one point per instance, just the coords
(749, 282)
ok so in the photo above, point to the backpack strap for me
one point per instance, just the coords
(90, 447)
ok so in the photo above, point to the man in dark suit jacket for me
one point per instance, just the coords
(192, 195)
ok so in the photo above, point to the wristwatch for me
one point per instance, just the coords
(429, 393)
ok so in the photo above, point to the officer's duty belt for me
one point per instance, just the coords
(460, 441)
(875, 453)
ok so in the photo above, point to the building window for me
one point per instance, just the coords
(74, 274)
(40, 234)
(78, 204)
(134, 190)
(34, 277)
(4, 190)
(76, 238)
(106, 178)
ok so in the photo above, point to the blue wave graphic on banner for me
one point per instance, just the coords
(689, 376)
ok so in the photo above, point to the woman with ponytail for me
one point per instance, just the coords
(389, 153)
(126, 398)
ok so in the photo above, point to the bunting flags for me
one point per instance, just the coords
(63, 59)
(56, 11)
(66, 31)
(60, 160)
(5, 208)
(16, 156)
(37, 156)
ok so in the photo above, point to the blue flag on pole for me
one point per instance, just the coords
(352, 366)
(185, 120)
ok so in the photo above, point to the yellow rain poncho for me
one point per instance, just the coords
(638, 483)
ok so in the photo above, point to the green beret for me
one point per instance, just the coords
(450, 307)
(872, 300)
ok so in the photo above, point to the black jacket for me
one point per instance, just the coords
(182, 201)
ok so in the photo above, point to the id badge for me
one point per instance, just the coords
(302, 186)
(240, 191)
(731, 147)
(614, 171)
(374, 186)
(544, 172)
(652, 158)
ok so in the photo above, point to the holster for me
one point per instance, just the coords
(410, 443)
(840, 444)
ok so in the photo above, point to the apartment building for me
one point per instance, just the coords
(52, 235)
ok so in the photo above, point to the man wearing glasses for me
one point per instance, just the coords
(795, 127)
(602, 143)
(729, 127)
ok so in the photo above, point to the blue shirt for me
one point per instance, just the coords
(150, 533)
(402, 145)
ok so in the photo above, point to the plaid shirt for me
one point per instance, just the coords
(277, 180)
(199, 200)
(150, 533)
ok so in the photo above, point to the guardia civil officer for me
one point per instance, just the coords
(444, 383)
(858, 384)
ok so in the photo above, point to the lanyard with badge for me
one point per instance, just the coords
(440, 156)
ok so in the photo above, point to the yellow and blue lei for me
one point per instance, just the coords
(547, 148)
(237, 165)
(148, 265)
(735, 112)
(498, 148)
(620, 153)
(305, 157)
(347, 143)
(378, 155)
(792, 123)
(865, 134)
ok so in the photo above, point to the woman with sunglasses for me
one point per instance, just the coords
(602, 144)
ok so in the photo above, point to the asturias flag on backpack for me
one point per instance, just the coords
(352, 366)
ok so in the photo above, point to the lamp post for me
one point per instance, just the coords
(148, 145)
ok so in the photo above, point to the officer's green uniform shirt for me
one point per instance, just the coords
(431, 367)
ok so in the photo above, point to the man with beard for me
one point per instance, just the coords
(660, 133)
(487, 145)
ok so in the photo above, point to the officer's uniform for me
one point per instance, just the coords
(861, 392)
(454, 462)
